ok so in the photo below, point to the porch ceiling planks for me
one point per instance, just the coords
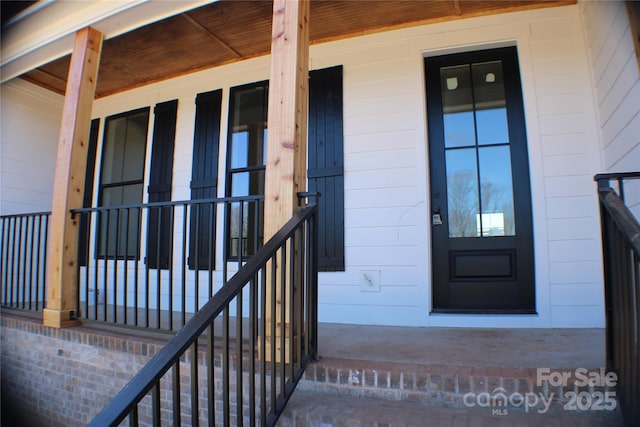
(229, 31)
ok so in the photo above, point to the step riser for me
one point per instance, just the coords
(455, 385)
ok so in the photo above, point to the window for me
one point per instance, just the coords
(246, 161)
(121, 183)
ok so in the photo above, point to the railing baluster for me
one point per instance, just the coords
(263, 345)
(272, 332)
(125, 282)
(171, 231)
(18, 262)
(225, 366)
(184, 264)
(176, 394)
(195, 411)
(32, 221)
(253, 330)
(283, 315)
(136, 273)
(155, 404)
(211, 372)
(239, 374)
(158, 269)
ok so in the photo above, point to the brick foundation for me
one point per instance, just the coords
(63, 377)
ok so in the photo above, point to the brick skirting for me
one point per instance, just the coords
(63, 377)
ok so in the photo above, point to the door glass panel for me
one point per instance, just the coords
(462, 192)
(457, 99)
(479, 179)
(496, 192)
(490, 103)
(492, 126)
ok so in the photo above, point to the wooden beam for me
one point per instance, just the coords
(68, 184)
(285, 173)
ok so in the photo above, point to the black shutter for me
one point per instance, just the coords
(160, 218)
(326, 161)
(204, 179)
(87, 199)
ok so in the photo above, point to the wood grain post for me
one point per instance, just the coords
(286, 166)
(68, 184)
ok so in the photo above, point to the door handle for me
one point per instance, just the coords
(436, 218)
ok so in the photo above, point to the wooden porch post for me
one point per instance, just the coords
(286, 165)
(68, 184)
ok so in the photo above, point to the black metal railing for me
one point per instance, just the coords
(621, 250)
(211, 373)
(153, 265)
(23, 260)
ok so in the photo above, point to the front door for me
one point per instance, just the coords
(482, 240)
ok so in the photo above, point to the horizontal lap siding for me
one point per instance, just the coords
(569, 147)
(616, 78)
(29, 130)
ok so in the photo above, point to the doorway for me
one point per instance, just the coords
(481, 223)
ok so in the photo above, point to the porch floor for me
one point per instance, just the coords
(384, 376)
(519, 348)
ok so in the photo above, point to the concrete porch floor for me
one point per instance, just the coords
(520, 348)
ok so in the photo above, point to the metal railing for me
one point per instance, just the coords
(621, 248)
(213, 374)
(23, 260)
(154, 265)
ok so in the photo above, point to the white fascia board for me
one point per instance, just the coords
(47, 31)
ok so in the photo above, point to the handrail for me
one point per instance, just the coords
(621, 257)
(302, 224)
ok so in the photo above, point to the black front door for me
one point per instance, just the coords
(482, 240)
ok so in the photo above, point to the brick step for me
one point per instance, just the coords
(430, 383)
(319, 409)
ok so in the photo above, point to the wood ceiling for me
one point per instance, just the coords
(231, 30)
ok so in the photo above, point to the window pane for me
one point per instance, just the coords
(496, 192)
(247, 183)
(119, 229)
(239, 149)
(248, 126)
(462, 192)
(125, 148)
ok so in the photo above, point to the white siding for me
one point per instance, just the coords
(386, 164)
(616, 77)
(29, 127)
